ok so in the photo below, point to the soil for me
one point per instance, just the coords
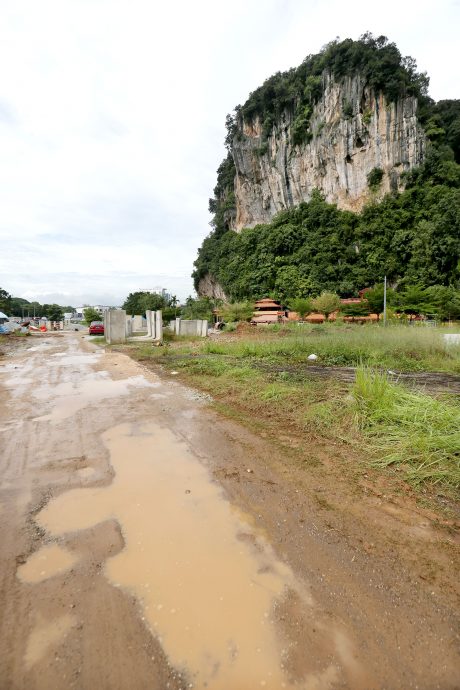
(148, 543)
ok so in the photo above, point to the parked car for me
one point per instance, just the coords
(96, 328)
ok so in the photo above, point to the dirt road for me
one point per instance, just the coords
(147, 543)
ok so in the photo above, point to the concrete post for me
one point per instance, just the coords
(159, 326)
(204, 328)
(148, 316)
(115, 326)
(137, 323)
(177, 328)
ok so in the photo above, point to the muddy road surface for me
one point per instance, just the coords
(147, 543)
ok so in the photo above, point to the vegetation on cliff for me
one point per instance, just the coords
(413, 237)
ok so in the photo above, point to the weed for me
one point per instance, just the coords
(411, 430)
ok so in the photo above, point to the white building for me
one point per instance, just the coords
(80, 311)
(157, 291)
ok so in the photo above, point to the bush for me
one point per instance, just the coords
(326, 303)
(301, 305)
(237, 311)
(375, 178)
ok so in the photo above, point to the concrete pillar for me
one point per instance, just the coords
(129, 327)
(115, 326)
(159, 326)
(204, 329)
(148, 316)
(177, 328)
(137, 323)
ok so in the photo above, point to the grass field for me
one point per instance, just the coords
(390, 425)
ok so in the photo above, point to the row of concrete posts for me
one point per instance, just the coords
(118, 327)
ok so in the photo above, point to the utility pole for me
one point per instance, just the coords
(385, 301)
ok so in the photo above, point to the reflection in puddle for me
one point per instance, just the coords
(46, 562)
(69, 397)
(206, 593)
(46, 636)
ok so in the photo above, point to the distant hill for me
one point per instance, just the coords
(338, 172)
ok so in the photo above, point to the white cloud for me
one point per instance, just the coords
(112, 123)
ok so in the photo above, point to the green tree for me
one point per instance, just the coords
(326, 303)
(301, 305)
(445, 300)
(414, 299)
(290, 281)
(53, 312)
(237, 311)
(5, 301)
(375, 298)
(197, 308)
(356, 309)
(90, 314)
(141, 301)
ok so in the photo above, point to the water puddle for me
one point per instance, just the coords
(45, 636)
(46, 562)
(208, 585)
(70, 397)
(64, 359)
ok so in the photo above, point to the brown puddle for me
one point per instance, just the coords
(69, 397)
(46, 562)
(206, 582)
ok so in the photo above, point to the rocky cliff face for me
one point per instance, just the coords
(208, 286)
(354, 131)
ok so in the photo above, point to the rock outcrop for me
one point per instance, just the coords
(208, 286)
(354, 131)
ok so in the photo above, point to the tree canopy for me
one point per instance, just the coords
(140, 302)
(5, 301)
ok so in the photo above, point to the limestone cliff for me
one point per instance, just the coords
(353, 131)
(208, 286)
(348, 122)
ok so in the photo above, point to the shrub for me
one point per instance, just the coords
(367, 116)
(237, 311)
(326, 303)
(302, 305)
(374, 178)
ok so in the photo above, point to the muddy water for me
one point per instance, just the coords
(46, 562)
(206, 583)
(69, 397)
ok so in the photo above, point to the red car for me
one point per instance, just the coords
(96, 328)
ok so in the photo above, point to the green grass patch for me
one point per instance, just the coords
(396, 347)
(413, 431)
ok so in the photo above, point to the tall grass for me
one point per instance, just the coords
(404, 348)
(416, 432)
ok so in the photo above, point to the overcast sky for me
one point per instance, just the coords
(112, 118)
